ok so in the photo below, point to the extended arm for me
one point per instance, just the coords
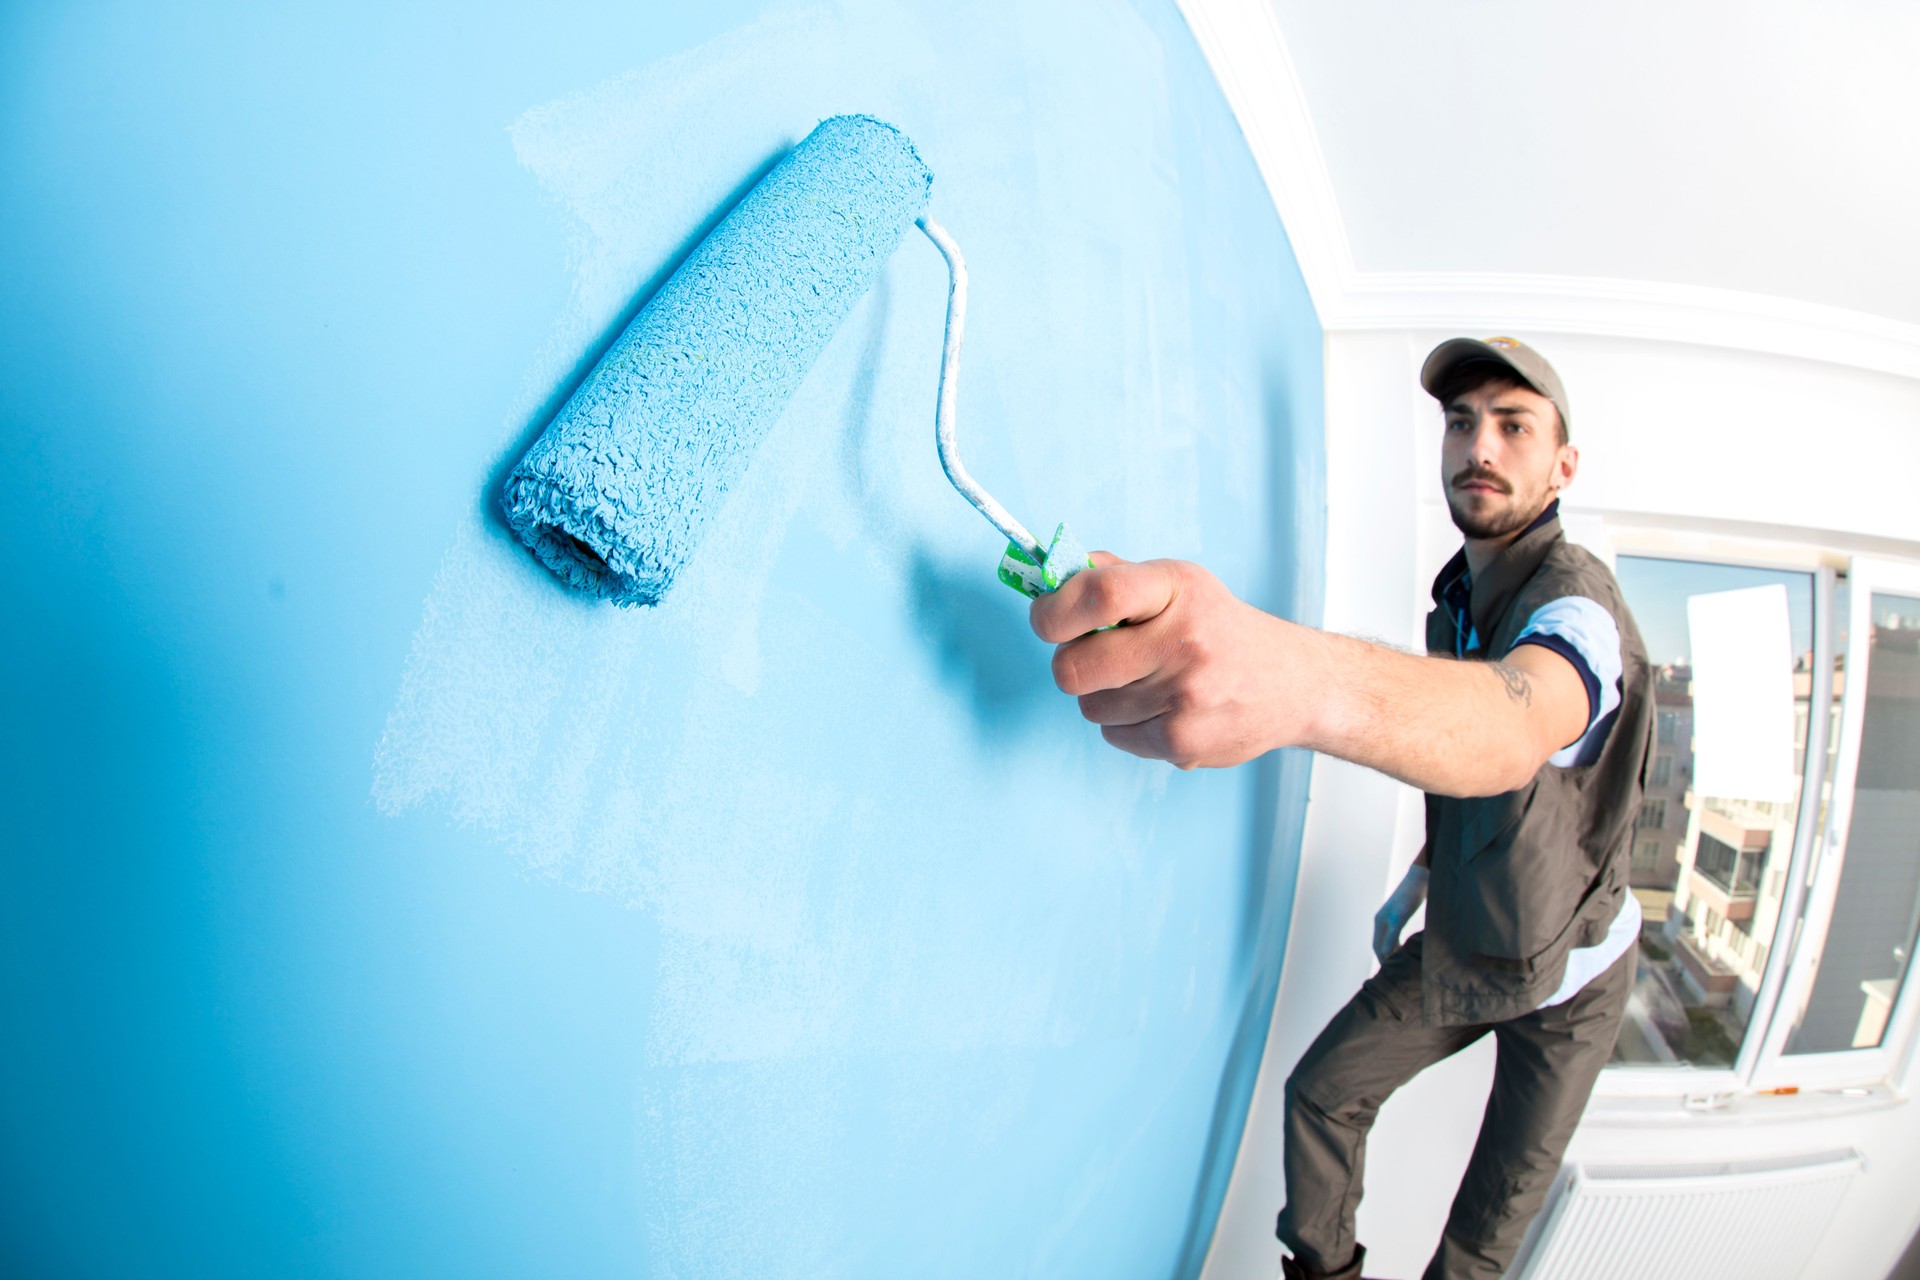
(1203, 679)
(1449, 727)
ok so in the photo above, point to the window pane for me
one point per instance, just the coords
(1876, 913)
(1709, 871)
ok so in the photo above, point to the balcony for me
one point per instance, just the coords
(1711, 980)
(1711, 891)
(1724, 876)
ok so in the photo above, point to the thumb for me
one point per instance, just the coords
(1102, 559)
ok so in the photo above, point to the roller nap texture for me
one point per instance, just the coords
(615, 494)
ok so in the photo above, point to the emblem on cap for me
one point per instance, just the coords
(1505, 344)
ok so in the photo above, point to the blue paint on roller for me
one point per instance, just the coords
(616, 493)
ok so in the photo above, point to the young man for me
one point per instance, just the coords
(1527, 726)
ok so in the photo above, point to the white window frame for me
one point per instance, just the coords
(1820, 888)
(1752, 1068)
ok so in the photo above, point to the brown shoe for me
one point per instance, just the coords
(1293, 1269)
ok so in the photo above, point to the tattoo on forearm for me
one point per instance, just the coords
(1519, 688)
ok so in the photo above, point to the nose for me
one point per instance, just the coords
(1484, 441)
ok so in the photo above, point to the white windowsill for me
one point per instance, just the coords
(1619, 1111)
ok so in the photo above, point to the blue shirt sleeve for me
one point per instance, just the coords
(1585, 634)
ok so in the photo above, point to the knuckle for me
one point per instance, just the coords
(1191, 694)
(1066, 671)
(1180, 700)
(1102, 593)
(1048, 620)
(1191, 575)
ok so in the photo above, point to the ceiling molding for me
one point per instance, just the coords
(1242, 42)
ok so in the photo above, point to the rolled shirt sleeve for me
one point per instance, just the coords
(1585, 634)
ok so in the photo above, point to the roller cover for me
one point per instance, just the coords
(615, 494)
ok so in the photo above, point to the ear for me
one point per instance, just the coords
(1566, 466)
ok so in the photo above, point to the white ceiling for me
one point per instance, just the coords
(1765, 147)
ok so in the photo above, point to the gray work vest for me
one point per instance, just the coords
(1519, 880)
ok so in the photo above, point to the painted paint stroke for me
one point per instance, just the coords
(813, 765)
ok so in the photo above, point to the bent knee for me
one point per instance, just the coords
(1318, 1097)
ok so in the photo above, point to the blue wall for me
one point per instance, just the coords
(374, 907)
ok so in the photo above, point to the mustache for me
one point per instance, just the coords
(1472, 475)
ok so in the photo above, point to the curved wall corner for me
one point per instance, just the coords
(377, 907)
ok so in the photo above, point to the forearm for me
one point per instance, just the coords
(1449, 727)
(1205, 680)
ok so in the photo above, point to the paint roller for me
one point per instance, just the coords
(616, 493)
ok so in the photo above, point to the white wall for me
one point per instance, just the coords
(1716, 444)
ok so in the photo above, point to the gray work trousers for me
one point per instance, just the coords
(1547, 1063)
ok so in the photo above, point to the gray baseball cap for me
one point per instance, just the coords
(1526, 364)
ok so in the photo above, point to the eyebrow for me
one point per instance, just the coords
(1461, 406)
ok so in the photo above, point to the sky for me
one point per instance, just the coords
(1657, 592)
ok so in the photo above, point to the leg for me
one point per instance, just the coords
(1547, 1066)
(1372, 1047)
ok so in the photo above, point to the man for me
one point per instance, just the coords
(1527, 726)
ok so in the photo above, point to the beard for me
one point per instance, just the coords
(1515, 514)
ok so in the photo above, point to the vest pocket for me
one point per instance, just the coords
(1523, 878)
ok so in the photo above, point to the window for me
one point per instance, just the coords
(1871, 880)
(1776, 854)
(1723, 822)
(1731, 870)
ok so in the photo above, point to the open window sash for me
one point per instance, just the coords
(1792, 1052)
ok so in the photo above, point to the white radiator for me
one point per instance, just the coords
(1760, 1220)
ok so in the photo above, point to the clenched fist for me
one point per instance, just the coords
(1196, 676)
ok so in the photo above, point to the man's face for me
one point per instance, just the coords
(1501, 459)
